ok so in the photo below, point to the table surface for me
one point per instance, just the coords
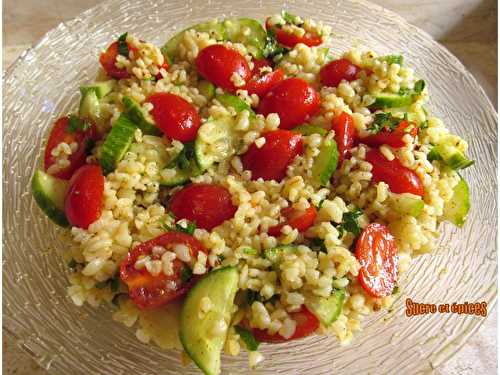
(468, 28)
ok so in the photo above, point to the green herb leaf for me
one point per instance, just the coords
(392, 59)
(384, 121)
(101, 284)
(433, 154)
(395, 290)
(419, 86)
(122, 45)
(320, 204)
(77, 124)
(185, 157)
(318, 243)
(424, 124)
(248, 338)
(272, 48)
(72, 263)
(115, 283)
(189, 229)
(350, 222)
(252, 296)
(186, 274)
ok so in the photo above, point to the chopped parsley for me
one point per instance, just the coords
(248, 338)
(115, 283)
(320, 204)
(251, 296)
(395, 290)
(189, 229)
(272, 48)
(186, 274)
(185, 157)
(291, 19)
(424, 124)
(350, 222)
(384, 121)
(122, 45)
(419, 86)
(77, 124)
(319, 244)
(101, 284)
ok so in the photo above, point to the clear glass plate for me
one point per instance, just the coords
(43, 84)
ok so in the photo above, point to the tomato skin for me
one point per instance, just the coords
(335, 71)
(392, 138)
(208, 205)
(307, 324)
(108, 60)
(293, 100)
(261, 85)
(85, 196)
(345, 133)
(291, 40)
(218, 63)
(148, 291)
(399, 178)
(272, 159)
(297, 219)
(164, 66)
(60, 133)
(175, 116)
(377, 253)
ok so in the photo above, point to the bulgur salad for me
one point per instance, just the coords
(245, 184)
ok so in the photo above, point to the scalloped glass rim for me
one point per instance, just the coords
(60, 336)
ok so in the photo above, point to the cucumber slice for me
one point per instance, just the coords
(392, 59)
(327, 310)
(100, 88)
(325, 163)
(180, 176)
(274, 255)
(452, 156)
(215, 142)
(248, 32)
(457, 208)
(214, 28)
(90, 107)
(390, 100)
(117, 143)
(407, 204)
(49, 193)
(306, 129)
(433, 155)
(238, 104)
(207, 89)
(196, 330)
(134, 112)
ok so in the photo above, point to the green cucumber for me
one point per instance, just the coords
(196, 329)
(184, 167)
(90, 108)
(214, 28)
(325, 162)
(117, 143)
(49, 193)
(100, 88)
(233, 101)
(327, 310)
(390, 100)
(215, 142)
(457, 208)
(306, 129)
(433, 154)
(248, 32)
(274, 254)
(407, 204)
(452, 156)
(392, 59)
(135, 113)
(207, 89)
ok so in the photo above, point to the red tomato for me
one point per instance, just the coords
(291, 40)
(399, 178)
(218, 63)
(335, 71)
(108, 60)
(377, 253)
(83, 203)
(307, 324)
(59, 134)
(176, 117)
(261, 84)
(258, 64)
(205, 204)
(345, 132)
(272, 159)
(164, 66)
(293, 100)
(392, 138)
(148, 291)
(297, 219)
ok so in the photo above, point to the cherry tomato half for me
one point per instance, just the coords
(335, 71)
(307, 324)
(148, 291)
(108, 60)
(84, 199)
(61, 132)
(392, 138)
(207, 205)
(345, 132)
(297, 219)
(219, 64)
(261, 84)
(293, 100)
(291, 40)
(399, 178)
(377, 253)
(164, 66)
(175, 116)
(272, 159)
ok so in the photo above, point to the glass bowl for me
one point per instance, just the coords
(43, 84)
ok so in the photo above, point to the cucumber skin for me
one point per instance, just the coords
(407, 205)
(326, 162)
(188, 319)
(51, 209)
(458, 207)
(233, 101)
(110, 156)
(387, 100)
(133, 111)
(101, 89)
(335, 300)
(309, 130)
(89, 105)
